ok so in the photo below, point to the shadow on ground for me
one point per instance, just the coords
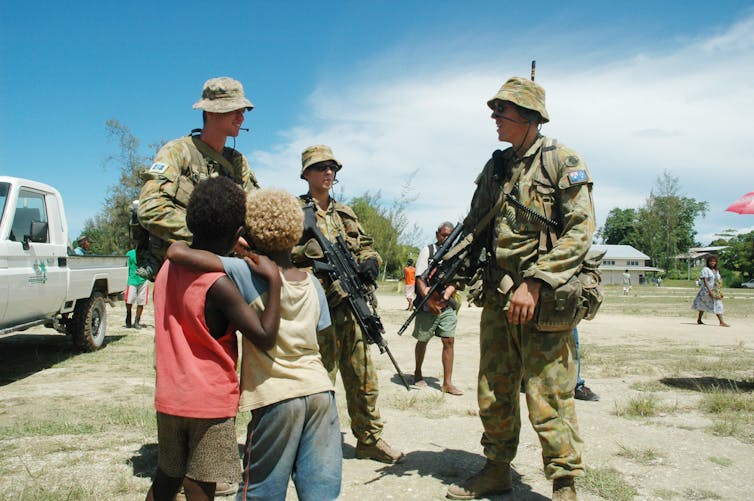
(707, 383)
(22, 355)
(449, 466)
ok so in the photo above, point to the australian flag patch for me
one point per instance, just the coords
(158, 167)
(577, 176)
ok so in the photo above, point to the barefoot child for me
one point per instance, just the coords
(294, 429)
(196, 316)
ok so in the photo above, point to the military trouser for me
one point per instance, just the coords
(546, 361)
(343, 347)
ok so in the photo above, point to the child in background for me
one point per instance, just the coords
(137, 291)
(196, 316)
(294, 430)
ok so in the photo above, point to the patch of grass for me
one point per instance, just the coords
(721, 461)
(81, 422)
(607, 483)
(700, 494)
(721, 402)
(641, 406)
(47, 428)
(40, 490)
(665, 493)
(430, 404)
(664, 301)
(646, 456)
(732, 413)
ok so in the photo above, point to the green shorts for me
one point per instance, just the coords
(205, 450)
(428, 325)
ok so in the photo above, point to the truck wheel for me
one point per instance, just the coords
(89, 323)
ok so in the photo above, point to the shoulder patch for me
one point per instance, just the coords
(572, 161)
(577, 176)
(158, 167)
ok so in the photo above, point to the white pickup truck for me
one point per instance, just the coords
(40, 283)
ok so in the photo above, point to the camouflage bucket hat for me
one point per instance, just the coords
(221, 95)
(315, 154)
(524, 93)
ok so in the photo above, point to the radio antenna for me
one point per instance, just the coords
(533, 69)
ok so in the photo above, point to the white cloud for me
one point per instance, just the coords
(687, 111)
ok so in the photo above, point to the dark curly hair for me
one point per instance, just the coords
(216, 209)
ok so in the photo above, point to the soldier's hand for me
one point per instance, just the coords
(369, 269)
(524, 301)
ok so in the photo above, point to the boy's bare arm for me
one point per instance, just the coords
(181, 253)
(262, 332)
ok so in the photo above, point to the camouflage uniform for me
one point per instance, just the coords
(169, 182)
(184, 162)
(509, 352)
(342, 345)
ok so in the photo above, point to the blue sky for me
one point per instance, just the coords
(395, 87)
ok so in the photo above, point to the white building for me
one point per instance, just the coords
(620, 258)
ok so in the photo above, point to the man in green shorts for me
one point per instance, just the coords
(435, 319)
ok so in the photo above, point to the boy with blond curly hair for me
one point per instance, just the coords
(294, 429)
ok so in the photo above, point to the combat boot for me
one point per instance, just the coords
(379, 451)
(563, 489)
(494, 478)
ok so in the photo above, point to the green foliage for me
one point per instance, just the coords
(389, 227)
(620, 227)
(737, 260)
(665, 225)
(108, 230)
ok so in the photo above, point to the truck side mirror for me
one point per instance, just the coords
(38, 233)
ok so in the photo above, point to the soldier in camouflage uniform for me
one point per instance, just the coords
(522, 259)
(342, 345)
(182, 163)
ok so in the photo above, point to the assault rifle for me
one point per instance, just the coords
(341, 267)
(442, 267)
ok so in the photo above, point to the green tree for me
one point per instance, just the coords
(737, 260)
(665, 225)
(109, 229)
(619, 228)
(394, 238)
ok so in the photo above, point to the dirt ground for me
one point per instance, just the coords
(439, 433)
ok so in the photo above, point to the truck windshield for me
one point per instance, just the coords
(4, 187)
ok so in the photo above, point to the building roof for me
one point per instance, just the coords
(618, 251)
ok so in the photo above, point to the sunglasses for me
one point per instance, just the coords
(500, 109)
(322, 167)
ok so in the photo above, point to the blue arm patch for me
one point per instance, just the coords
(158, 167)
(577, 176)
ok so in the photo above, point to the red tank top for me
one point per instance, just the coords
(196, 374)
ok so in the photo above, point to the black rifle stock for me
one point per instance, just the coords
(442, 268)
(341, 266)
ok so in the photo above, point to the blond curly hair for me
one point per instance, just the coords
(274, 219)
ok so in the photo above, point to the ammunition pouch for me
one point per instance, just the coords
(561, 308)
(579, 298)
(591, 290)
